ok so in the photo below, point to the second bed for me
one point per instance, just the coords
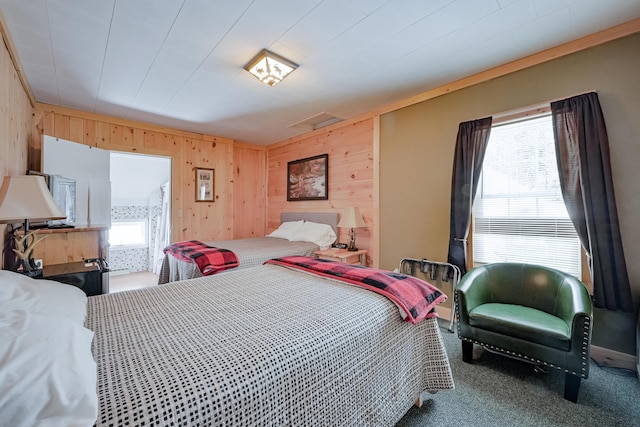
(252, 252)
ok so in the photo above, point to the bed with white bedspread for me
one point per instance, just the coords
(262, 346)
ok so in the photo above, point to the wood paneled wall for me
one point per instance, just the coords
(190, 219)
(16, 125)
(351, 176)
(250, 171)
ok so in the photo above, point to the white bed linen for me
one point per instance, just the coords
(320, 234)
(260, 346)
(47, 374)
(20, 292)
(286, 230)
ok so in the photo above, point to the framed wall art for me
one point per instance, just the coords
(307, 179)
(205, 189)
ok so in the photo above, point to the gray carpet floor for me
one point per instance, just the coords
(499, 391)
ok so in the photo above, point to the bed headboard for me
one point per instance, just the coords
(330, 218)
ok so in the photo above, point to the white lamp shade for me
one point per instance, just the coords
(351, 218)
(26, 197)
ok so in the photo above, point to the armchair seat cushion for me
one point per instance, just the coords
(522, 322)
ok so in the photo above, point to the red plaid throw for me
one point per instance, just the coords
(416, 298)
(210, 260)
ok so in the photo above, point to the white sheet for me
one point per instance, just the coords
(19, 292)
(47, 373)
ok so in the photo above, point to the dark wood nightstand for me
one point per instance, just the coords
(91, 277)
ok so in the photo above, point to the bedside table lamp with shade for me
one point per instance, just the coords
(26, 198)
(352, 219)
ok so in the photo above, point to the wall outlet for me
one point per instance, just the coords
(38, 263)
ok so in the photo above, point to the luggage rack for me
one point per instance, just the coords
(433, 270)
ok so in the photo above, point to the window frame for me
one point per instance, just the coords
(145, 224)
(512, 117)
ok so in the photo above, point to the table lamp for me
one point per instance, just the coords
(352, 219)
(26, 198)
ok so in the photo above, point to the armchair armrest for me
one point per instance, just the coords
(472, 290)
(573, 300)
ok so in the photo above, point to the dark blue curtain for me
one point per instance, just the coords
(584, 165)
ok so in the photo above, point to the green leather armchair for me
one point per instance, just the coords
(534, 313)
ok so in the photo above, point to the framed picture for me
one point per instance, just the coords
(307, 178)
(205, 189)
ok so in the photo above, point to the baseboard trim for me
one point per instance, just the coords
(118, 272)
(614, 359)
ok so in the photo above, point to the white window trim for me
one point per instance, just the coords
(520, 114)
(145, 245)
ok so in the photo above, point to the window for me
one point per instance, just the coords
(129, 233)
(519, 214)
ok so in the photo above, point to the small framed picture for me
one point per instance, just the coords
(307, 178)
(205, 189)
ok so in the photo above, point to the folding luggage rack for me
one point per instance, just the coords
(433, 270)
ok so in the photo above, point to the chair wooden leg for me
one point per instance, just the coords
(467, 351)
(571, 387)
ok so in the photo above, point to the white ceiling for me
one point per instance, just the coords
(147, 172)
(179, 63)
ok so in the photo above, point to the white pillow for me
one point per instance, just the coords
(287, 230)
(48, 375)
(320, 234)
(19, 292)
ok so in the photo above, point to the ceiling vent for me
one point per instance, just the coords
(318, 121)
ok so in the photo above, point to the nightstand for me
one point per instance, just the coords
(343, 255)
(91, 277)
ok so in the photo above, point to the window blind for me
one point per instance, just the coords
(519, 214)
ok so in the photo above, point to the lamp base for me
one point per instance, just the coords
(32, 273)
(27, 267)
(352, 241)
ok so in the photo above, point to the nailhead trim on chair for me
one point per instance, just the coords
(585, 342)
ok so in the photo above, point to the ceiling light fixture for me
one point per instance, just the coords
(270, 68)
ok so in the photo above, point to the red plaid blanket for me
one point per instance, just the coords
(209, 259)
(416, 298)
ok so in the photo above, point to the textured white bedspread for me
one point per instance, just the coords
(264, 346)
(251, 252)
